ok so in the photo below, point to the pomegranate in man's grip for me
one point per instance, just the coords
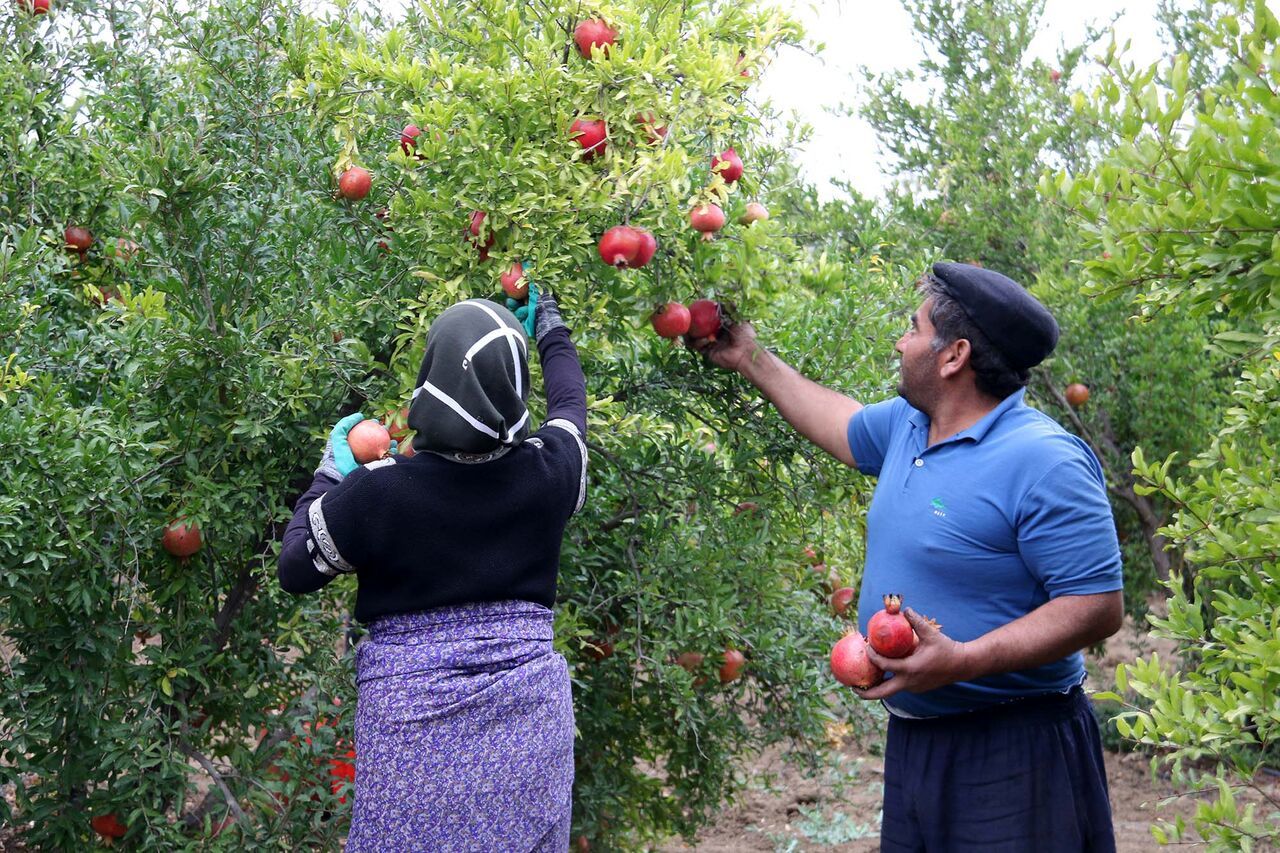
(889, 632)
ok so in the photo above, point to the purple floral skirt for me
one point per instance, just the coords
(464, 732)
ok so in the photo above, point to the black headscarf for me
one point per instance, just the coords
(470, 400)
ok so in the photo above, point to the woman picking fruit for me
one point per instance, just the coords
(464, 721)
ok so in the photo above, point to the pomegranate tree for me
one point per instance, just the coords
(850, 664)
(708, 219)
(355, 183)
(671, 320)
(593, 33)
(591, 134)
(889, 632)
(369, 441)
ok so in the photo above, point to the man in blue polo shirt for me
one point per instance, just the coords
(994, 521)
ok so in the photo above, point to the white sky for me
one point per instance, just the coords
(879, 35)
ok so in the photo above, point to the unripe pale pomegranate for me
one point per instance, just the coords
(731, 669)
(181, 539)
(889, 632)
(369, 440)
(850, 664)
(594, 33)
(355, 183)
(728, 164)
(690, 661)
(1077, 394)
(671, 320)
(591, 135)
(704, 318)
(514, 282)
(756, 212)
(708, 219)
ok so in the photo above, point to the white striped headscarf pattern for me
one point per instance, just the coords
(473, 385)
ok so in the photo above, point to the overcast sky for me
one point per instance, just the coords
(879, 36)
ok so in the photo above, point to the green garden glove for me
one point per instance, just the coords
(338, 461)
(527, 311)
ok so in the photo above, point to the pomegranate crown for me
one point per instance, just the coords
(892, 602)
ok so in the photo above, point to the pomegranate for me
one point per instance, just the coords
(742, 58)
(594, 32)
(1055, 75)
(514, 282)
(731, 669)
(648, 247)
(850, 664)
(126, 250)
(591, 135)
(342, 771)
(756, 212)
(35, 7)
(583, 845)
(108, 826)
(841, 599)
(409, 139)
(708, 219)
(690, 661)
(746, 506)
(78, 239)
(181, 539)
(671, 320)
(1077, 394)
(811, 555)
(599, 650)
(728, 164)
(889, 632)
(355, 183)
(620, 245)
(475, 229)
(654, 132)
(704, 318)
(369, 440)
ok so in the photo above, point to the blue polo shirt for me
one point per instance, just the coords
(980, 529)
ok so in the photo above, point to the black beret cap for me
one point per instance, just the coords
(1013, 320)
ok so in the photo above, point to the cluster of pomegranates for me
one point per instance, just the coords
(702, 319)
(888, 632)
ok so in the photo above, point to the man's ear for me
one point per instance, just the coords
(955, 357)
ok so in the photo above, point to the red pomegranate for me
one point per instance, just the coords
(355, 183)
(811, 555)
(671, 320)
(654, 132)
(369, 440)
(1077, 394)
(514, 282)
(841, 599)
(850, 664)
(475, 228)
(690, 661)
(599, 650)
(731, 669)
(409, 138)
(889, 632)
(583, 845)
(728, 164)
(78, 239)
(620, 246)
(704, 318)
(648, 247)
(708, 219)
(591, 136)
(594, 32)
(181, 539)
(35, 7)
(108, 826)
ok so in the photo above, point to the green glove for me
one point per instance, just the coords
(338, 461)
(525, 313)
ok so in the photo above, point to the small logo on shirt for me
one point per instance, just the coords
(939, 508)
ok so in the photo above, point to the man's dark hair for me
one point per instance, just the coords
(993, 376)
